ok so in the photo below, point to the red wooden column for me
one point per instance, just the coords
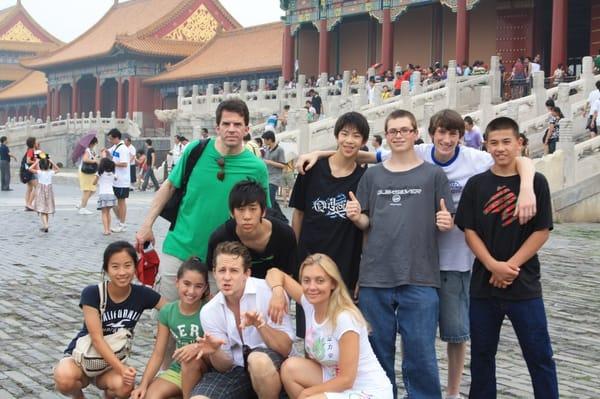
(559, 34)
(288, 54)
(74, 97)
(323, 47)
(387, 41)
(98, 101)
(462, 32)
(56, 104)
(120, 108)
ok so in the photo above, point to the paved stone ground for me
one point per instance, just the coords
(41, 276)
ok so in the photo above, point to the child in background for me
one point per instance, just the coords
(106, 196)
(182, 320)
(525, 146)
(43, 203)
(142, 167)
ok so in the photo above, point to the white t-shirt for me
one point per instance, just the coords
(322, 345)
(592, 98)
(177, 151)
(219, 321)
(454, 254)
(131, 149)
(45, 177)
(105, 183)
(596, 108)
(120, 153)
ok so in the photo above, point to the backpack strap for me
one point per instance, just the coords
(191, 161)
(103, 291)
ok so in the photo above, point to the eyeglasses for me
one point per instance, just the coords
(221, 173)
(405, 131)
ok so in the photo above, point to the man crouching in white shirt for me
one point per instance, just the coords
(245, 349)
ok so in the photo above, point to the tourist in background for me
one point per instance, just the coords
(150, 164)
(43, 203)
(553, 133)
(472, 137)
(132, 171)
(590, 108)
(106, 178)
(275, 160)
(86, 180)
(29, 159)
(119, 154)
(5, 157)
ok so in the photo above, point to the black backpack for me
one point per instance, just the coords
(24, 174)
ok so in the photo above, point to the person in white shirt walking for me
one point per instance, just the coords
(590, 109)
(120, 156)
(132, 152)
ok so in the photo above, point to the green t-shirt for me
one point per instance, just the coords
(597, 61)
(185, 329)
(205, 205)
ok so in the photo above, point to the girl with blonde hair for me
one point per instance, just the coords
(341, 363)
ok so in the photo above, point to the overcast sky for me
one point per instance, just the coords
(67, 19)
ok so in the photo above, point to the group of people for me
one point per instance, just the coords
(433, 235)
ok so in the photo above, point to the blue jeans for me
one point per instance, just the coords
(528, 318)
(413, 312)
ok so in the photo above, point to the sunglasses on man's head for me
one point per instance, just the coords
(221, 173)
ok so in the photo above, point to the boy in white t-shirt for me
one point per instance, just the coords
(121, 157)
(591, 109)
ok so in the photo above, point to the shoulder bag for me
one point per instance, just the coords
(88, 358)
(171, 208)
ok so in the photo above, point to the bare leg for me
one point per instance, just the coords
(69, 379)
(264, 376)
(112, 383)
(298, 373)
(456, 365)
(106, 220)
(30, 194)
(44, 217)
(122, 212)
(191, 372)
(162, 389)
(85, 196)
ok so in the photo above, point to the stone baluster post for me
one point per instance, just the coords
(363, 98)
(485, 105)
(303, 132)
(512, 111)
(563, 101)
(539, 93)
(208, 106)
(418, 86)
(323, 91)
(346, 84)
(180, 97)
(451, 86)
(195, 105)
(397, 69)
(567, 145)
(405, 95)
(281, 101)
(113, 119)
(243, 89)
(226, 89)
(587, 74)
(495, 79)
(370, 72)
(428, 111)
(300, 91)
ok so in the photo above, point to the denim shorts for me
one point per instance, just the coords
(121, 192)
(454, 306)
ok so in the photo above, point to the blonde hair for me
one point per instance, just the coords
(340, 299)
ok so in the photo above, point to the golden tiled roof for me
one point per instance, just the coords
(247, 50)
(159, 47)
(31, 85)
(127, 25)
(12, 72)
(16, 33)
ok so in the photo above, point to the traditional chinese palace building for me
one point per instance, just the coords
(134, 59)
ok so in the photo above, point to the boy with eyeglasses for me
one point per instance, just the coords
(401, 204)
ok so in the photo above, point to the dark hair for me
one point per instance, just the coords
(469, 120)
(140, 151)
(116, 247)
(194, 264)
(268, 135)
(524, 138)
(558, 111)
(233, 105)
(247, 137)
(247, 192)
(3, 139)
(447, 119)
(30, 142)
(550, 102)
(259, 141)
(44, 164)
(148, 141)
(204, 130)
(502, 123)
(378, 139)
(115, 133)
(127, 138)
(598, 85)
(93, 141)
(353, 119)
(286, 106)
(234, 248)
(400, 113)
(106, 165)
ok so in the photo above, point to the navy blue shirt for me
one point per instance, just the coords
(4, 153)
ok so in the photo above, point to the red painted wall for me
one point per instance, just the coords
(595, 28)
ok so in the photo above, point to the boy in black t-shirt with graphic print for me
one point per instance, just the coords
(506, 271)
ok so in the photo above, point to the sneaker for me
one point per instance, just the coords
(118, 228)
(84, 211)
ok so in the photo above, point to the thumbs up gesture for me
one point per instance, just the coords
(353, 209)
(443, 218)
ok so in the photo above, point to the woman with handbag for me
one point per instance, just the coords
(111, 310)
(87, 172)
(27, 177)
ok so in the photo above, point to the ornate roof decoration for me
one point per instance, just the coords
(452, 4)
(201, 26)
(20, 33)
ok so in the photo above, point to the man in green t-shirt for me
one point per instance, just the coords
(204, 207)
